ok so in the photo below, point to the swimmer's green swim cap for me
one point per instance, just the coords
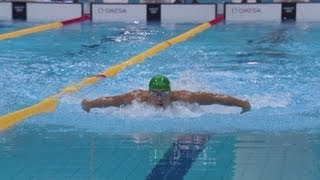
(159, 82)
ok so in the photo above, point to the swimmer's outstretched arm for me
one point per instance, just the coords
(107, 101)
(119, 100)
(205, 98)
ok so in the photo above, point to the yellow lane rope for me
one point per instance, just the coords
(49, 104)
(30, 30)
(42, 28)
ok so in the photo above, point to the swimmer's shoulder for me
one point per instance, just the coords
(141, 95)
(181, 92)
(180, 95)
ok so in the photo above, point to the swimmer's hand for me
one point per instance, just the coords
(245, 107)
(85, 105)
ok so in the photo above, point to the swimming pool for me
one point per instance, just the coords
(275, 67)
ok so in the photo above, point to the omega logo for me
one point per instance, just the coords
(154, 10)
(19, 8)
(112, 10)
(245, 10)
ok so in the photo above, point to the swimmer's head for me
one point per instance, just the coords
(159, 82)
(160, 90)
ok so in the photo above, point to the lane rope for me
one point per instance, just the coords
(50, 104)
(40, 28)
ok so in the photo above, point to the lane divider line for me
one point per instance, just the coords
(40, 28)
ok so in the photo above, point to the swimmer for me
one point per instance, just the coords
(160, 95)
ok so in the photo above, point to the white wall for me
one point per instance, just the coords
(52, 11)
(169, 12)
(308, 12)
(119, 12)
(253, 12)
(5, 11)
(187, 12)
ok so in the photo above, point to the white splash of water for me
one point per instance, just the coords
(142, 111)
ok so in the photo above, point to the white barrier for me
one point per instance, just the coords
(175, 13)
(308, 12)
(187, 12)
(138, 12)
(5, 11)
(253, 12)
(118, 12)
(53, 11)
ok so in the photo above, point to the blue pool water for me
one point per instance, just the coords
(276, 67)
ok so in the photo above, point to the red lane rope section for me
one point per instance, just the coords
(216, 20)
(99, 76)
(76, 20)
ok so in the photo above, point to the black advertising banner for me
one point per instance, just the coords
(19, 10)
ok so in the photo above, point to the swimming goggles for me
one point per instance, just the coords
(159, 93)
